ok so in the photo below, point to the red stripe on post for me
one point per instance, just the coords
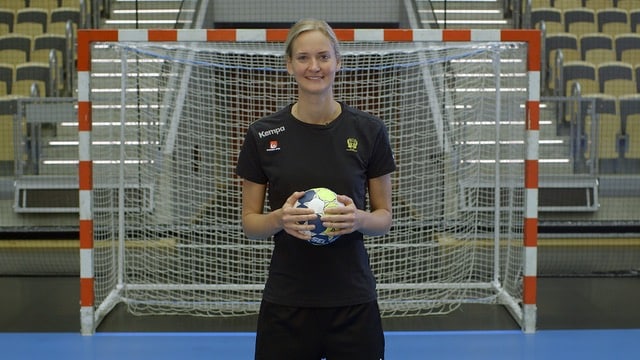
(530, 232)
(533, 115)
(85, 38)
(85, 174)
(533, 38)
(398, 35)
(531, 174)
(86, 234)
(456, 35)
(530, 290)
(162, 35)
(221, 35)
(277, 35)
(86, 292)
(345, 34)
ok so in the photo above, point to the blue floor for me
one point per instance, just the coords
(441, 345)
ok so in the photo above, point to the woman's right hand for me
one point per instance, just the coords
(294, 219)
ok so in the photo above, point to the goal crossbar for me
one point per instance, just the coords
(522, 308)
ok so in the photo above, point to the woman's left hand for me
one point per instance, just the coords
(341, 219)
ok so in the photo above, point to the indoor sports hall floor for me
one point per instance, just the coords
(578, 318)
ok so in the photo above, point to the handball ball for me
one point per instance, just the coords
(319, 199)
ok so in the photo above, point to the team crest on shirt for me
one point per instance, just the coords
(352, 144)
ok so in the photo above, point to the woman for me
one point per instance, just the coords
(318, 301)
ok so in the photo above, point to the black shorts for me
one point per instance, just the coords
(336, 333)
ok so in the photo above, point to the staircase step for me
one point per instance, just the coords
(451, 14)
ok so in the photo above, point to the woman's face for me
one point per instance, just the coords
(313, 62)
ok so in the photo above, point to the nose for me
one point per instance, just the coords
(315, 64)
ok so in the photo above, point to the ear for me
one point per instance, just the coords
(289, 67)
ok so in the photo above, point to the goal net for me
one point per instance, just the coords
(168, 119)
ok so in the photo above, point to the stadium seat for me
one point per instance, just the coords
(70, 3)
(59, 18)
(15, 48)
(597, 48)
(627, 47)
(565, 43)
(7, 19)
(567, 4)
(31, 21)
(580, 21)
(44, 4)
(627, 4)
(65, 13)
(637, 73)
(599, 4)
(29, 73)
(540, 4)
(616, 78)
(6, 78)
(552, 19)
(630, 118)
(14, 4)
(44, 43)
(608, 125)
(634, 20)
(613, 21)
(606, 129)
(7, 111)
(582, 72)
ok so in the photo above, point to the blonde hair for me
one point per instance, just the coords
(305, 25)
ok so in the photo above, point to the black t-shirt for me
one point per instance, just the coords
(289, 155)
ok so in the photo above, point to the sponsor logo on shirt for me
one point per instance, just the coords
(273, 145)
(270, 132)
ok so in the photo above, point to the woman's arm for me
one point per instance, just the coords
(375, 222)
(259, 225)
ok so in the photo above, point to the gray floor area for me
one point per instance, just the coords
(50, 304)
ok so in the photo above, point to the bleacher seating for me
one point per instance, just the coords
(580, 21)
(60, 16)
(637, 73)
(567, 4)
(627, 4)
(14, 4)
(630, 118)
(616, 78)
(552, 19)
(627, 47)
(597, 48)
(6, 78)
(613, 21)
(634, 20)
(15, 48)
(43, 4)
(27, 74)
(7, 19)
(608, 125)
(29, 31)
(599, 4)
(583, 72)
(31, 21)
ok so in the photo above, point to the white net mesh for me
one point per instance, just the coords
(166, 136)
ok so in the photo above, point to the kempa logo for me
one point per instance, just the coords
(275, 131)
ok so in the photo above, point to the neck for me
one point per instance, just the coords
(323, 112)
